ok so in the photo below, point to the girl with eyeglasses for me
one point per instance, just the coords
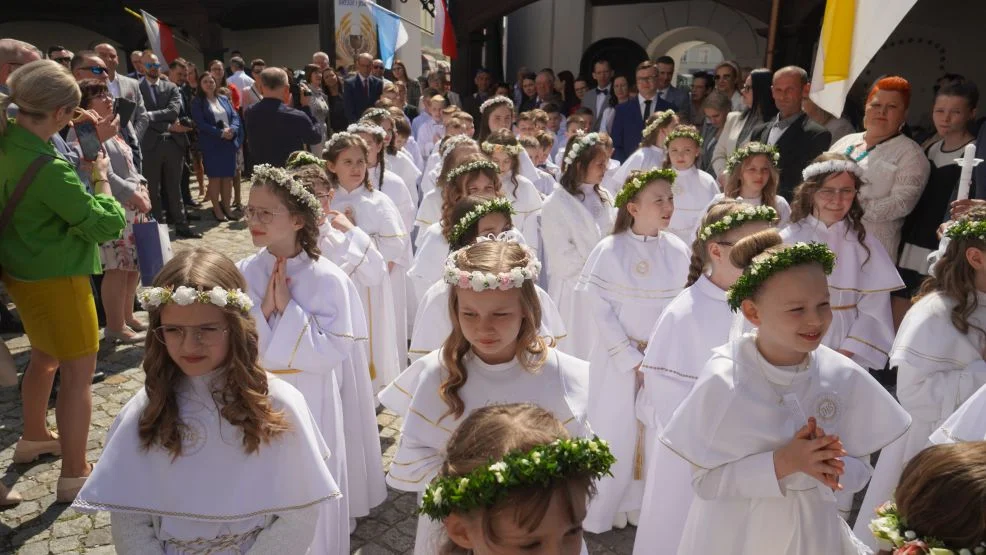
(311, 326)
(230, 458)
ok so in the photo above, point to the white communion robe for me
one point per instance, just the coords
(696, 322)
(644, 158)
(938, 369)
(545, 183)
(430, 212)
(434, 163)
(780, 204)
(403, 166)
(740, 411)
(625, 284)
(860, 290)
(428, 180)
(968, 423)
(433, 324)
(570, 229)
(428, 264)
(315, 345)
(395, 188)
(215, 495)
(526, 202)
(357, 256)
(560, 386)
(377, 215)
(693, 189)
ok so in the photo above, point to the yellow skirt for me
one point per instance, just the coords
(59, 315)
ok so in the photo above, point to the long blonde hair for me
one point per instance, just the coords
(39, 89)
(491, 257)
(734, 183)
(243, 399)
(452, 193)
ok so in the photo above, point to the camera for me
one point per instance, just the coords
(186, 121)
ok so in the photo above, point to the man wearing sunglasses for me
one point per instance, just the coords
(164, 150)
(60, 54)
(122, 86)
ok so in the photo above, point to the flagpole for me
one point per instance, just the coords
(397, 15)
(174, 36)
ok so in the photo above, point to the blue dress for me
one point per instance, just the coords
(218, 154)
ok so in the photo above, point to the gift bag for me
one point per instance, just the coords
(153, 249)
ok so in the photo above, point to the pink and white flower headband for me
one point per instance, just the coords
(486, 281)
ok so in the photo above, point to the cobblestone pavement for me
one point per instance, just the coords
(39, 526)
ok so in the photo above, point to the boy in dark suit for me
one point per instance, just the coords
(628, 121)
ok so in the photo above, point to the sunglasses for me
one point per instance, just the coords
(152, 66)
(64, 60)
(95, 70)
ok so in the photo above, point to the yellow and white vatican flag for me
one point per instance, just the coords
(852, 32)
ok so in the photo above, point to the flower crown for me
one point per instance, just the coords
(494, 101)
(513, 150)
(761, 270)
(683, 132)
(660, 119)
(374, 113)
(153, 298)
(471, 167)
(280, 177)
(485, 281)
(539, 467)
(752, 149)
(637, 182)
(889, 526)
(496, 204)
(747, 215)
(581, 143)
(369, 128)
(304, 159)
(339, 135)
(831, 166)
(967, 228)
(454, 142)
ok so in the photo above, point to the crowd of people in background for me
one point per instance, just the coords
(603, 299)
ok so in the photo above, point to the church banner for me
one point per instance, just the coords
(356, 32)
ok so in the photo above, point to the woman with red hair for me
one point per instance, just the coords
(895, 168)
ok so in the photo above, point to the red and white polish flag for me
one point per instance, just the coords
(161, 40)
(444, 33)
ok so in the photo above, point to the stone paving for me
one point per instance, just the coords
(39, 526)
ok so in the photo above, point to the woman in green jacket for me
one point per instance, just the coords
(47, 252)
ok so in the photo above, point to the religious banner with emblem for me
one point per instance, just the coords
(356, 32)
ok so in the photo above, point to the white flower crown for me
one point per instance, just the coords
(470, 167)
(747, 215)
(485, 281)
(369, 128)
(280, 177)
(153, 298)
(513, 150)
(337, 136)
(454, 142)
(662, 117)
(581, 143)
(373, 113)
(494, 101)
(831, 166)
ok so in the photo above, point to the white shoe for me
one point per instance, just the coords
(620, 521)
(633, 517)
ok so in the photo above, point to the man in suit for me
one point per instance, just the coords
(667, 91)
(164, 146)
(122, 86)
(274, 129)
(178, 72)
(361, 90)
(598, 98)
(138, 71)
(439, 80)
(544, 87)
(628, 121)
(796, 136)
(483, 82)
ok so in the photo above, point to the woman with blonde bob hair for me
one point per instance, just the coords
(49, 249)
(494, 355)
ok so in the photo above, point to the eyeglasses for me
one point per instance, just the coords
(65, 60)
(207, 335)
(152, 66)
(831, 194)
(377, 67)
(647, 79)
(321, 196)
(95, 70)
(746, 88)
(265, 216)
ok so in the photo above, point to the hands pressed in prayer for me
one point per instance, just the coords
(814, 453)
(341, 221)
(277, 296)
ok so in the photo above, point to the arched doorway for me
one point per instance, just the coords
(693, 48)
(623, 55)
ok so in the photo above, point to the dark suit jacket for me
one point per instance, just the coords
(274, 131)
(210, 135)
(471, 104)
(163, 108)
(628, 125)
(355, 98)
(801, 143)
